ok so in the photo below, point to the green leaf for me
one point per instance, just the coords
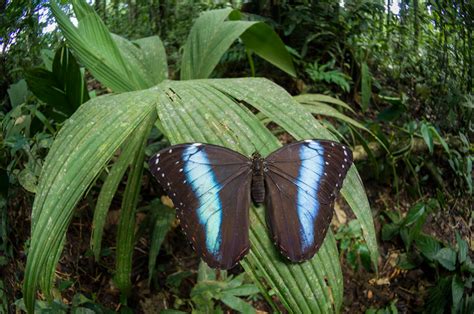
(439, 296)
(457, 290)
(405, 262)
(441, 140)
(319, 73)
(47, 55)
(27, 180)
(82, 148)
(243, 290)
(262, 39)
(146, 56)
(325, 110)
(364, 255)
(107, 193)
(18, 93)
(126, 226)
(163, 220)
(428, 246)
(212, 35)
(153, 57)
(389, 231)
(427, 136)
(94, 46)
(63, 88)
(462, 248)
(174, 280)
(236, 303)
(206, 273)
(366, 86)
(391, 113)
(82, 310)
(447, 258)
(209, 38)
(320, 98)
(414, 214)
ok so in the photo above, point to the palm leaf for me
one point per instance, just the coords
(81, 150)
(212, 35)
(115, 62)
(126, 227)
(213, 111)
(319, 98)
(107, 193)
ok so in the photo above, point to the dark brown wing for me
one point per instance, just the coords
(302, 181)
(210, 188)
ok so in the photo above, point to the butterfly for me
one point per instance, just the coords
(212, 188)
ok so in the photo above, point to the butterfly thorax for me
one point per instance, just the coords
(258, 185)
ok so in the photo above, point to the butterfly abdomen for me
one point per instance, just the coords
(258, 183)
(258, 189)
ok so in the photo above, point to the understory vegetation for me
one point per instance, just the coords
(92, 89)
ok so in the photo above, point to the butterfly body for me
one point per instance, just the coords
(258, 178)
(212, 188)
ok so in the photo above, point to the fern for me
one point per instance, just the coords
(326, 73)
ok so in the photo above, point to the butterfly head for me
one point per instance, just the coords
(258, 164)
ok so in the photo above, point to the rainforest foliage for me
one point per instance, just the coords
(91, 89)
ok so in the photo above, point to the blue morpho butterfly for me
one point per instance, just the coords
(211, 187)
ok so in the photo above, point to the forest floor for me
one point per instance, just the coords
(77, 271)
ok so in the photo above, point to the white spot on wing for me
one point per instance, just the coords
(157, 161)
(170, 151)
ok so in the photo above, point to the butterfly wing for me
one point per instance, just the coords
(302, 181)
(210, 188)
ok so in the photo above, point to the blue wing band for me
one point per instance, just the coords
(310, 173)
(203, 182)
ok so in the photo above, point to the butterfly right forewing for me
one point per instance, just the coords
(302, 181)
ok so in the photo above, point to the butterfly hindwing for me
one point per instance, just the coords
(210, 188)
(302, 181)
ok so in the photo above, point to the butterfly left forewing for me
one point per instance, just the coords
(302, 181)
(209, 186)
